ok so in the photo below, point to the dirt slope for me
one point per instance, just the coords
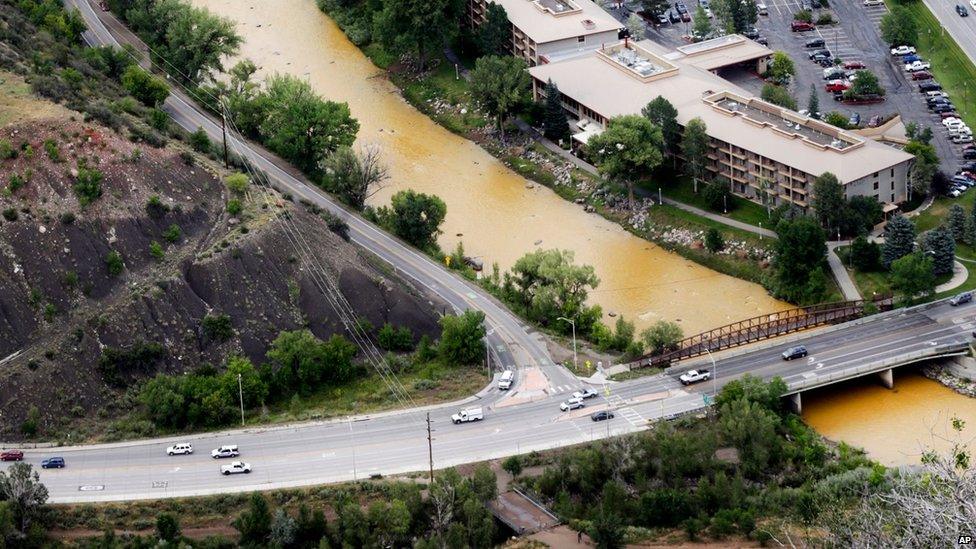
(60, 306)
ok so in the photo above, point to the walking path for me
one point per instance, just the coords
(844, 280)
(959, 276)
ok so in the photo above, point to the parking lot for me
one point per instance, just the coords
(856, 36)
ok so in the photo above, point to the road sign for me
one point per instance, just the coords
(707, 399)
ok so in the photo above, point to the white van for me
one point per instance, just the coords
(505, 382)
(471, 414)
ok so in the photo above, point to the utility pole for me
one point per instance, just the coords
(240, 392)
(430, 449)
(573, 324)
(223, 131)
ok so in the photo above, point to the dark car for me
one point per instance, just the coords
(815, 43)
(602, 415)
(929, 86)
(968, 167)
(921, 75)
(752, 33)
(969, 154)
(11, 455)
(824, 53)
(52, 463)
(681, 7)
(962, 11)
(939, 109)
(762, 40)
(855, 119)
(795, 352)
(674, 16)
(959, 299)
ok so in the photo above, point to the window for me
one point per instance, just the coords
(875, 185)
(875, 174)
(581, 39)
(892, 174)
(892, 185)
(892, 198)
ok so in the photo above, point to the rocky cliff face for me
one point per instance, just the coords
(61, 304)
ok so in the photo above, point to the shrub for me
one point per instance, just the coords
(142, 356)
(173, 234)
(30, 425)
(217, 328)
(714, 241)
(200, 141)
(7, 151)
(156, 250)
(155, 207)
(88, 185)
(10, 214)
(114, 263)
(395, 339)
(237, 183)
(159, 119)
(52, 150)
(234, 207)
(67, 218)
(148, 89)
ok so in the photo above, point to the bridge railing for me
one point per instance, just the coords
(762, 327)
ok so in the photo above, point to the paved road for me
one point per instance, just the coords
(396, 442)
(962, 29)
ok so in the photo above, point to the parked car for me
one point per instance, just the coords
(227, 451)
(52, 463)
(762, 40)
(962, 139)
(235, 468)
(586, 394)
(802, 26)
(910, 58)
(921, 75)
(571, 404)
(870, 3)
(751, 34)
(795, 352)
(952, 121)
(11, 455)
(834, 73)
(822, 60)
(681, 7)
(837, 86)
(930, 85)
(938, 109)
(902, 50)
(946, 115)
(855, 119)
(180, 448)
(602, 415)
(761, 9)
(815, 43)
(918, 66)
(674, 16)
(686, 17)
(962, 11)
(824, 53)
(959, 299)
(969, 154)
(851, 65)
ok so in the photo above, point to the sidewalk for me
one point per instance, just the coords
(843, 278)
(959, 276)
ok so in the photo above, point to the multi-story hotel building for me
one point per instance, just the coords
(545, 30)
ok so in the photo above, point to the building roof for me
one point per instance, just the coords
(550, 20)
(599, 81)
(723, 51)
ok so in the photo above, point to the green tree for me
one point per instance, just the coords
(607, 530)
(200, 141)
(702, 26)
(828, 201)
(941, 246)
(782, 69)
(753, 389)
(751, 428)
(165, 403)
(898, 27)
(636, 26)
(655, 6)
(555, 126)
(925, 166)
(662, 114)
(114, 263)
(662, 336)
(713, 240)
(156, 251)
(217, 327)
(352, 176)
(494, 35)
(302, 127)
(716, 194)
(283, 529)
(88, 185)
(865, 255)
(778, 95)
(416, 217)
(21, 488)
(956, 221)
(800, 251)
(899, 237)
(912, 276)
(242, 378)
(813, 103)
(694, 145)
(462, 338)
(416, 27)
(513, 465)
(837, 119)
(547, 284)
(237, 183)
(254, 523)
(866, 84)
(500, 84)
(628, 149)
(168, 527)
(862, 214)
(301, 360)
(737, 16)
(148, 89)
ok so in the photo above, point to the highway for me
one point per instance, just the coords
(962, 29)
(515, 422)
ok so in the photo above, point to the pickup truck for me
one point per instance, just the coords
(470, 414)
(694, 376)
(235, 468)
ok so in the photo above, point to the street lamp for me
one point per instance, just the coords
(573, 324)
(714, 374)
(240, 392)
(488, 351)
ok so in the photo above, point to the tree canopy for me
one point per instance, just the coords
(500, 84)
(800, 253)
(899, 237)
(898, 27)
(547, 284)
(630, 148)
(694, 145)
(415, 27)
(462, 338)
(555, 126)
(415, 217)
(662, 114)
(494, 36)
(912, 276)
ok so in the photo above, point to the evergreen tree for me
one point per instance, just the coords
(865, 255)
(971, 229)
(254, 523)
(662, 114)
(912, 276)
(813, 104)
(899, 239)
(494, 36)
(555, 126)
(694, 144)
(956, 221)
(940, 244)
(800, 252)
(828, 202)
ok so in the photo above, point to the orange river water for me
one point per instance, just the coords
(499, 219)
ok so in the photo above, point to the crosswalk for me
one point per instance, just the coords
(559, 389)
(631, 415)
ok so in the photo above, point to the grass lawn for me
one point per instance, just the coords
(937, 212)
(950, 65)
(682, 189)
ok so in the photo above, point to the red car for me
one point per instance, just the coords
(850, 65)
(837, 86)
(801, 26)
(945, 115)
(921, 75)
(11, 455)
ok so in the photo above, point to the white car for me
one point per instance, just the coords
(235, 468)
(902, 50)
(950, 122)
(585, 394)
(180, 449)
(227, 451)
(960, 130)
(918, 66)
(962, 139)
(955, 126)
(873, 2)
(571, 404)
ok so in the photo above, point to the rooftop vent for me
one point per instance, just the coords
(836, 143)
(588, 24)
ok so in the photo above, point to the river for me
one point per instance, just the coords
(496, 215)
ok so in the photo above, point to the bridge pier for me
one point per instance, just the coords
(796, 403)
(887, 378)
